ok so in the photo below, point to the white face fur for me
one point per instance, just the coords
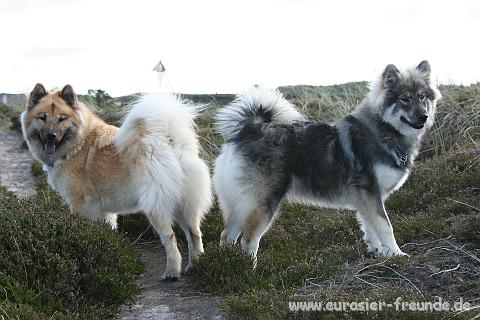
(406, 99)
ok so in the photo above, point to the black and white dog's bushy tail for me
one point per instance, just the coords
(256, 105)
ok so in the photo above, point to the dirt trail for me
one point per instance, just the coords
(15, 164)
(160, 300)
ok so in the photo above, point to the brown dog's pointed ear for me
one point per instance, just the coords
(391, 75)
(69, 96)
(36, 95)
(425, 70)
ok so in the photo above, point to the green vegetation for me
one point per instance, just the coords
(458, 120)
(57, 265)
(327, 103)
(10, 112)
(110, 109)
(8, 115)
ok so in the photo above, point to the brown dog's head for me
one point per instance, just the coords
(51, 123)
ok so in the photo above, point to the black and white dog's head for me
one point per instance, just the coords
(406, 99)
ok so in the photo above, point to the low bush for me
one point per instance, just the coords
(57, 265)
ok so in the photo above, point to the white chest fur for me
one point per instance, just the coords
(389, 178)
(57, 181)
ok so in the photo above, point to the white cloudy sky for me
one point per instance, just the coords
(226, 46)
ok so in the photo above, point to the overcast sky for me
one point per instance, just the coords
(220, 46)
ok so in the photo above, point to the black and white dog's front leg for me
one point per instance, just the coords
(374, 222)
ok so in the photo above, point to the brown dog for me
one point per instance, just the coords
(150, 163)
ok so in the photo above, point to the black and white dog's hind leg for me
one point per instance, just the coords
(249, 221)
(247, 202)
(375, 224)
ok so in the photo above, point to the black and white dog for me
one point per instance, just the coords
(273, 153)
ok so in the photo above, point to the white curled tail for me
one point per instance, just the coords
(155, 134)
(256, 105)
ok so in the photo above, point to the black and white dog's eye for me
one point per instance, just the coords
(421, 96)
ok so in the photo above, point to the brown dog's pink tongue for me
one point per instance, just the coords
(50, 148)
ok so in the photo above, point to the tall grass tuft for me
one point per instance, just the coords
(458, 120)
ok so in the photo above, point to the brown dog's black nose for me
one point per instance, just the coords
(423, 118)
(51, 136)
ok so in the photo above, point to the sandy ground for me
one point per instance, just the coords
(15, 164)
(167, 300)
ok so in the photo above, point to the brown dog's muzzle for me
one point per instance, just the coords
(50, 144)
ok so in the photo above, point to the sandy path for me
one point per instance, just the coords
(15, 164)
(167, 300)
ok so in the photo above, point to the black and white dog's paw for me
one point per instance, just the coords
(384, 251)
(392, 252)
(374, 246)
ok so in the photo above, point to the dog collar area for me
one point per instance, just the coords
(403, 158)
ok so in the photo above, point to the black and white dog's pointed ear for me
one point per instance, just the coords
(69, 96)
(36, 95)
(391, 76)
(424, 69)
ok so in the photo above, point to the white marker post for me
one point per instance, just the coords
(159, 69)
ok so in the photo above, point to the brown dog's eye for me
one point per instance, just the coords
(43, 117)
(62, 118)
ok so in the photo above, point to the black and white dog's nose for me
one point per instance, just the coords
(423, 118)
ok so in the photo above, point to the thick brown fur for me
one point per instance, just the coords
(100, 170)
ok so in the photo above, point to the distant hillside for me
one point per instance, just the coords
(13, 100)
(336, 92)
(220, 99)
